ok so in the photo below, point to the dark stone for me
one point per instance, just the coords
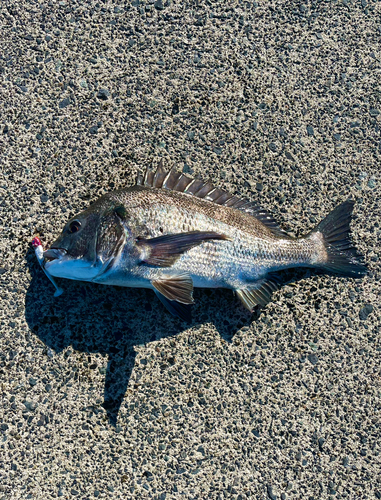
(159, 5)
(93, 130)
(3, 270)
(44, 198)
(365, 311)
(103, 94)
(374, 112)
(175, 108)
(321, 442)
(289, 156)
(270, 493)
(4, 427)
(64, 103)
(310, 130)
(273, 147)
(313, 359)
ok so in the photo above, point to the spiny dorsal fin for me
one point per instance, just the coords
(177, 181)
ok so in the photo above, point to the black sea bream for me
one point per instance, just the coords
(172, 233)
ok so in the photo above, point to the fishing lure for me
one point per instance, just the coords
(39, 251)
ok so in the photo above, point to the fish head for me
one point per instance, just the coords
(89, 242)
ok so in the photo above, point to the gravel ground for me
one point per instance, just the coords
(103, 393)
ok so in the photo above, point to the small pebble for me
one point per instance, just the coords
(103, 94)
(365, 311)
(64, 103)
(270, 493)
(310, 130)
(313, 359)
(30, 405)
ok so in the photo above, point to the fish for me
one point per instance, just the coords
(171, 233)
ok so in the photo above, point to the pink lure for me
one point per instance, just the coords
(39, 251)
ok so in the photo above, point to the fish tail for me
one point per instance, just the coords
(340, 255)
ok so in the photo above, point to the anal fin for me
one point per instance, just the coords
(258, 293)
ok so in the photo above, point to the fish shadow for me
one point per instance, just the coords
(113, 320)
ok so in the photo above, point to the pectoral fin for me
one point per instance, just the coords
(178, 286)
(165, 250)
(258, 293)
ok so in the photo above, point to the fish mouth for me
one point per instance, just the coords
(54, 254)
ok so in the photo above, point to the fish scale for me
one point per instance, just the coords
(171, 233)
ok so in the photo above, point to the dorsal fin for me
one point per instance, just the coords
(177, 181)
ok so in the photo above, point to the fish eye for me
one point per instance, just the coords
(74, 226)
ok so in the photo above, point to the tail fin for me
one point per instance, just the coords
(342, 256)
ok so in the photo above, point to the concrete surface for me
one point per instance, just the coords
(103, 393)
